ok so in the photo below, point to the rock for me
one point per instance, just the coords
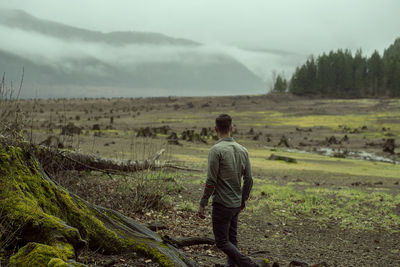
(341, 154)
(284, 158)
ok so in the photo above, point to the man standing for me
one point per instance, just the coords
(228, 161)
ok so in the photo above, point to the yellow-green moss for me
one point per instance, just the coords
(56, 262)
(46, 214)
(155, 254)
(35, 254)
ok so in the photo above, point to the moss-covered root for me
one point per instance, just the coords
(54, 223)
(35, 254)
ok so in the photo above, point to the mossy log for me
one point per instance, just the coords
(52, 225)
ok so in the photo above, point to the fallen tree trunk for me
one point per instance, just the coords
(55, 159)
(52, 225)
(78, 161)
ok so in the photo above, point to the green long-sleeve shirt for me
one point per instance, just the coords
(228, 162)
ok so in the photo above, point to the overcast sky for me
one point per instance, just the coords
(300, 26)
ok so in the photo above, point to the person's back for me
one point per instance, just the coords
(228, 162)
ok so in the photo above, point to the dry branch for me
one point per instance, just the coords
(188, 241)
(92, 162)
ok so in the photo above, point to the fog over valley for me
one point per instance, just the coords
(90, 57)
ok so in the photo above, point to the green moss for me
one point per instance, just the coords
(155, 254)
(56, 262)
(46, 216)
(35, 254)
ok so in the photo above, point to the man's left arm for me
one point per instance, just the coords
(247, 181)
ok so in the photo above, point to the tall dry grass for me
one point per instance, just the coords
(11, 117)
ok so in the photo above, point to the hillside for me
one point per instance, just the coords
(91, 63)
(22, 20)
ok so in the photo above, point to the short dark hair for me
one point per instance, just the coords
(223, 123)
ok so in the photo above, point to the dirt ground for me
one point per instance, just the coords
(341, 126)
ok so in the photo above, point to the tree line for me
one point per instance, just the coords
(342, 74)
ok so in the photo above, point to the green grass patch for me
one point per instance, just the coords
(322, 164)
(348, 208)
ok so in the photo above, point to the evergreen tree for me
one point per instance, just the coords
(375, 73)
(359, 74)
(280, 84)
(340, 74)
(391, 62)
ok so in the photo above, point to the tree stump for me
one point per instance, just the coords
(389, 146)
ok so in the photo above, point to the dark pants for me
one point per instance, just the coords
(225, 232)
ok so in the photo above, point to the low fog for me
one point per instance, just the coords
(265, 37)
(54, 51)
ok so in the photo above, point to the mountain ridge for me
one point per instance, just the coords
(134, 60)
(20, 19)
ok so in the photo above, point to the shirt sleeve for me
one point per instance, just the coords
(212, 174)
(247, 180)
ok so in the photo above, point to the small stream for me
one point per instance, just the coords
(339, 153)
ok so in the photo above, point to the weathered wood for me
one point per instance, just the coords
(84, 161)
(188, 241)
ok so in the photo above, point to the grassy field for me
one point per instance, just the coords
(351, 205)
